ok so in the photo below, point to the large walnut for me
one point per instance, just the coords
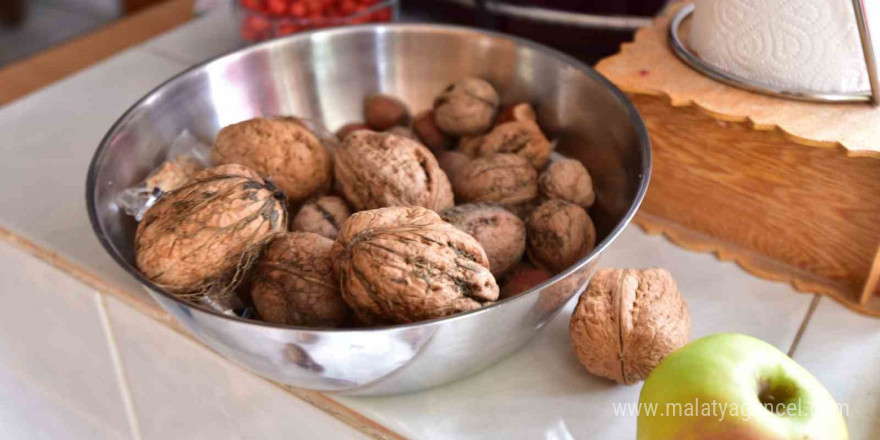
(209, 230)
(280, 149)
(567, 179)
(375, 170)
(405, 264)
(523, 138)
(293, 282)
(505, 179)
(559, 234)
(627, 321)
(467, 106)
(501, 233)
(323, 216)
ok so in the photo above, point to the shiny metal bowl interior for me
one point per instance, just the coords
(323, 76)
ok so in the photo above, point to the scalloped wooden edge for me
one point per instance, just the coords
(144, 305)
(752, 263)
(662, 22)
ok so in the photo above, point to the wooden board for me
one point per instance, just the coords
(40, 70)
(790, 190)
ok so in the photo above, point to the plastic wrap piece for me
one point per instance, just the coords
(186, 155)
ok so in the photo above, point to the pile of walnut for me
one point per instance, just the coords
(407, 218)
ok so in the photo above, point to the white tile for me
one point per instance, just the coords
(180, 389)
(49, 139)
(542, 392)
(214, 33)
(842, 349)
(56, 374)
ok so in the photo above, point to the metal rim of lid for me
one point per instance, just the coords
(685, 54)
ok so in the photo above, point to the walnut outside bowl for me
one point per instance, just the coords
(324, 76)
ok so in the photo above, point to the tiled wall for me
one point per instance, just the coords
(77, 365)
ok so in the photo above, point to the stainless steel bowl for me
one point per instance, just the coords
(323, 76)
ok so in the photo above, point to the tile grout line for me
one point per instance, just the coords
(803, 328)
(105, 289)
(146, 47)
(119, 368)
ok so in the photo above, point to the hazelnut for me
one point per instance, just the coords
(381, 112)
(280, 149)
(429, 133)
(521, 278)
(467, 106)
(627, 321)
(405, 264)
(323, 216)
(206, 233)
(501, 233)
(505, 179)
(293, 282)
(523, 138)
(376, 170)
(349, 128)
(568, 180)
(452, 162)
(173, 173)
(559, 234)
(521, 111)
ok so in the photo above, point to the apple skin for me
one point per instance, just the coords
(732, 369)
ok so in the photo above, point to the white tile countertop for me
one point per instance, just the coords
(85, 354)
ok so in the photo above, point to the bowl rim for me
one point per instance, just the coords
(636, 119)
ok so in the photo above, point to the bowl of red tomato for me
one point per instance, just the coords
(264, 19)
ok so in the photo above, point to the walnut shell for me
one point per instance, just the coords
(467, 106)
(376, 170)
(350, 128)
(208, 230)
(323, 216)
(428, 132)
(501, 233)
(280, 149)
(382, 112)
(505, 179)
(520, 111)
(523, 138)
(559, 234)
(627, 321)
(293, 282)
(452, 162)
(173, 174)
(404, 264)
(568, 179)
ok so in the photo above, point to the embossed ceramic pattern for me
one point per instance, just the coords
(793, 44)
(323, 76)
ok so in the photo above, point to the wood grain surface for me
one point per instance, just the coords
(648, 66)
(789, 190)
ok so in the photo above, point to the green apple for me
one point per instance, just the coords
(731, 386)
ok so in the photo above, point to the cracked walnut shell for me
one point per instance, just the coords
(208, 231)
(323, 216)
(559, 234)
(500, 232)
(505, 179)
(568, 179)
(293, 282)
(405, 264)
(376, 170)
(280, 149)
(467, 106)
(523, 138)
(627, 321)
